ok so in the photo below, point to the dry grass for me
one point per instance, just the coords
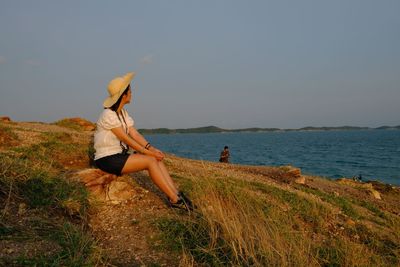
(243, 220)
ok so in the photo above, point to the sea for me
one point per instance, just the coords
(364, 154)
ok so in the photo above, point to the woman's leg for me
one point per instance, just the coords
(141, 162)
(167, 176)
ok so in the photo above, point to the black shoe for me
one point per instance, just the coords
(187, 201)
(183, 203)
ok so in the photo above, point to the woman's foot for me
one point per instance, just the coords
(183, 203)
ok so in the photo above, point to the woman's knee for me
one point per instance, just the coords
(139, 162)
(151, 160)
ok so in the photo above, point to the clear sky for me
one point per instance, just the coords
(233, 64)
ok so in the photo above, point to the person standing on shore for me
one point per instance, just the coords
(116, 133)
(224, 156)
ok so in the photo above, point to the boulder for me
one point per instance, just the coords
(119, 190)
(291, 174)
(5, 119)
(300, 180)
(104, 186)
(86, 125)
(375, 194)
(77, 123)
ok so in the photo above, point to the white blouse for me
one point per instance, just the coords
(105, 141)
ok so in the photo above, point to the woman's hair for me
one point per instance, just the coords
(116, 105)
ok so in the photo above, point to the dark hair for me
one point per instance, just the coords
(226, 147)
(116, 105)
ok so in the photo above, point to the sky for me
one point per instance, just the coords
(232, 64)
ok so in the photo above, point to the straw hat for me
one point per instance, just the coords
(116, 87)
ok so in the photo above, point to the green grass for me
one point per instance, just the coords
(374, 209)
(74, 247)
(53, 192)
(309, 211)
(344, 203)
(53, 147)
(193, 235)
(47, 195)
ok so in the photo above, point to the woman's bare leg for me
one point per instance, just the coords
(167, 177)
(142, 162)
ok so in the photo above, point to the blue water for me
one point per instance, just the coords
(373, 154)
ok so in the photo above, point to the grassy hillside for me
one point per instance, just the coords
(246, 215)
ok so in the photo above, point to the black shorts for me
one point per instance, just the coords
(112, 164)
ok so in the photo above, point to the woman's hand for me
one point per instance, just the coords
(154, 153)
(158, 155)
(156, 150)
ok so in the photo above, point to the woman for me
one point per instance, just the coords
(116, 133)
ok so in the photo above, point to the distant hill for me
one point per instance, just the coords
(341, 128)
(215, 129)
(388, 128)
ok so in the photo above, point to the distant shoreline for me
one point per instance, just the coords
(215, 129)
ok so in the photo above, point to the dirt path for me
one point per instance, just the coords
(126, 232)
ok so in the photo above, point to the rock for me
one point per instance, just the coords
(294, 172)
(86, 125)
(77, 123)
(93, 177)
(300, 180)
(119, 191)
(5, 119)
(290, 174)
(104, 186)
(375, 194)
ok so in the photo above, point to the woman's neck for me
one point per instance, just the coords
(119, 109)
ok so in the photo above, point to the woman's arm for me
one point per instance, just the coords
(137, 136)
(141, 140)
(133, 143)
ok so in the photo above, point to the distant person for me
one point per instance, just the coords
(116, 133)
(224, 157)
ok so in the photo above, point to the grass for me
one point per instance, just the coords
(8, 131)
(339, 201)
(56, 208)
(74, 248)
(7, 136)
(248, 223)
(236, 228)
(55, 149)
(309, 211)
(67, 123)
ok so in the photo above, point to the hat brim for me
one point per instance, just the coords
(126, 81)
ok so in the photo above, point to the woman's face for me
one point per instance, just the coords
(128, 96)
